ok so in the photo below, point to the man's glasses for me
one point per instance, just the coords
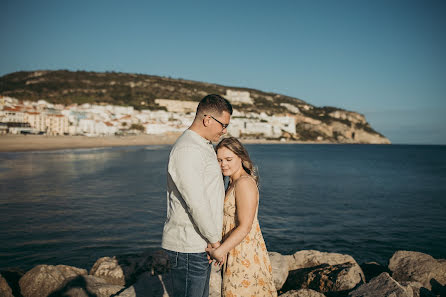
(224, 126)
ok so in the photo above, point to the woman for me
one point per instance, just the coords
(246, 266)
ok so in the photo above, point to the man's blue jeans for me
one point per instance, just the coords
(189, 273)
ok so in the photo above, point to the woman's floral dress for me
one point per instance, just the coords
(247, 271)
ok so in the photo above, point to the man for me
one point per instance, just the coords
(195, 195)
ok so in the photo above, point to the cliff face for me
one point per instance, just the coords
(338, 126)
(320, 124)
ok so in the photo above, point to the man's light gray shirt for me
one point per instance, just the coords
(195, 195)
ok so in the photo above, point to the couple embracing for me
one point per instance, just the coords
(206, 222)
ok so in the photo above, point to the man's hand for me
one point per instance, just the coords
(216, 254)
(215, 244)
(211, 247)
(207, 253)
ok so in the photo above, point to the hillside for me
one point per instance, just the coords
(140, 91)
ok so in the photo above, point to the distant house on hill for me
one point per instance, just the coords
(237, 97)
(177, 105)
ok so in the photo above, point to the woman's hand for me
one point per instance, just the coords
(217, 254)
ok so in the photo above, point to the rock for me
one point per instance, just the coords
(418, 267)
(125, 269)
(42, 280)
(279, 264)
(86, 286)
(311, 258)
(420, 291)
(362, 136)
(215, 282)
(383, 286)
(148, 285)
(110, 270)
(157, 261)
(5, 290)
(354, 131)
(12, 277)
(302, 293)
(415, 286)
(325, 278)
(353, 117)
(372, 270)
(128, 292)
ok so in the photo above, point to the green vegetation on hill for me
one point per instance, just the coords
(141, 90)
(138, 90)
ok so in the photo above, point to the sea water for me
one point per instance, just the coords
(74, 206)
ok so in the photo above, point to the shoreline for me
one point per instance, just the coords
(26, 143)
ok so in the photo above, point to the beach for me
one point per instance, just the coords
(22, 143)
(17, 143)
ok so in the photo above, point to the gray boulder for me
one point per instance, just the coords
(311, 258)
(279, 264)
(148, 285)
(5, 290)
(416, 287)
(302, 293)
(12, 277)
(126, 269)
(382, 286)
(418, 267)
(110, 270)
(43, 280)
(372, 270)
(86, 286)
(325, 278)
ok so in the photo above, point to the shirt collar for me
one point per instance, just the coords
(198, 137)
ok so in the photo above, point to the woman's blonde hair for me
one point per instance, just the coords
(235, 146)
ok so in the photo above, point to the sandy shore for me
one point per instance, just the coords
(17, 143)
(20, 143)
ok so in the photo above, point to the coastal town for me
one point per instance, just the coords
(174, 116)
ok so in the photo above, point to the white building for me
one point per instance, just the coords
(57, 124)
(237, 97)
(8, 101)
(285, 123)
(262, 124)
(43, 104)
(178, 105)
(12, 115)
(93, 127)
(120, 110)
(160, 116)
(37, 120)
(158, 128)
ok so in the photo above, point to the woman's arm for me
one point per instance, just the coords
(246, 200)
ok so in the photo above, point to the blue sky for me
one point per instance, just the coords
(385, 59)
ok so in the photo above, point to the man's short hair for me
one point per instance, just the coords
(214, 104)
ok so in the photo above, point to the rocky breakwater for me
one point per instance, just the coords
(306, 273)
